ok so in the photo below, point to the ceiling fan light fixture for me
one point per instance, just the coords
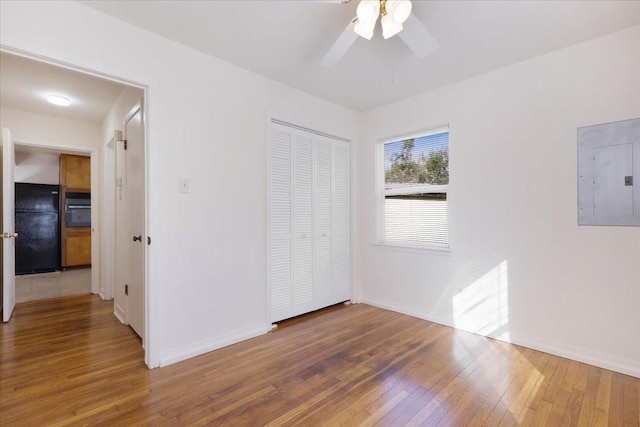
(398, 10)
(393, 14)
(368, 11)
(389, 27)
(364, 30)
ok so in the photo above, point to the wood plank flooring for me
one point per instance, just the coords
(68, 361)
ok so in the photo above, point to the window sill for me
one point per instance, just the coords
(415, 248)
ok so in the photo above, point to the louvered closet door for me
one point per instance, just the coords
(322, 288)
(281, 220)
(309, 222)
(340, 251)
(303, 222)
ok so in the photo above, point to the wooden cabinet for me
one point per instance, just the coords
(77, 247)
(75, 172)
(75, 176)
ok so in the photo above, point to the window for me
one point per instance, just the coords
(413, 173)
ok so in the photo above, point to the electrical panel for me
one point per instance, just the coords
(608, 161)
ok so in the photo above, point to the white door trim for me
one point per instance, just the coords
(132, 112)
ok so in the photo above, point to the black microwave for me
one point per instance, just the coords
(77, 209)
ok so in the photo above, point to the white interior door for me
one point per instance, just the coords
(135, 224)
(8, 227)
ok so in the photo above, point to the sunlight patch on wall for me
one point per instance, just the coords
(483, 306)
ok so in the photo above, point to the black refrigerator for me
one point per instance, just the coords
(38, 228)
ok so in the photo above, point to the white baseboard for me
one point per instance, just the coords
(119, 313)
(579, 354)
(404, 310)
(205, 346)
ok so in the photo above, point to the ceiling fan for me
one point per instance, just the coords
(395, 18)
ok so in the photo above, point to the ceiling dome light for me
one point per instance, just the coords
(59, 100)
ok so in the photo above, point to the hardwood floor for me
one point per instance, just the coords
(68, 361)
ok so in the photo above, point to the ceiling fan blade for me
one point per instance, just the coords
(341, 46)
(418, 38)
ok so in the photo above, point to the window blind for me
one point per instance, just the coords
(416, 178)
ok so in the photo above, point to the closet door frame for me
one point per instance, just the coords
(344, 294)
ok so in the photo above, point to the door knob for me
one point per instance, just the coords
(137, 238)
(10, 235)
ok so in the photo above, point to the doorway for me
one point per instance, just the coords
(62, 278)
(97, 138)
(53, 223)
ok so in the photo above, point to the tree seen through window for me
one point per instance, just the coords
(422, 160)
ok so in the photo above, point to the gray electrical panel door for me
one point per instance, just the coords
(608, 162)
(611, 197)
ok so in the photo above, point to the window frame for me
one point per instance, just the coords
(379, 238)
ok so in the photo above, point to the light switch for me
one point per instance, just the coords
(183, 185)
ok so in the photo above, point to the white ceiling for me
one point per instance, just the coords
(25, 85)
(286, 40)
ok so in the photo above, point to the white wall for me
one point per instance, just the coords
(206, 123)
(39, 129)
(517, 250)
(37, 167)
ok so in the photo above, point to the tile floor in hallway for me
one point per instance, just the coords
(30, 287)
